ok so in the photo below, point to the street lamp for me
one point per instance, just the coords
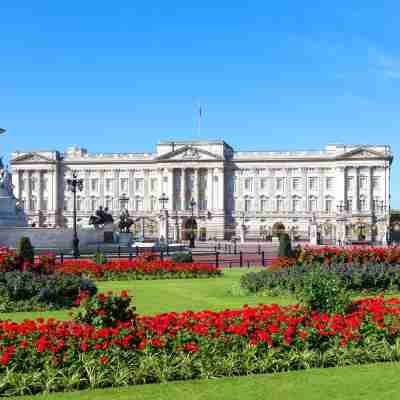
(192, 236)
(163, 199)
(75, 185)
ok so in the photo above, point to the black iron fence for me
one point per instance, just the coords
(220, 255)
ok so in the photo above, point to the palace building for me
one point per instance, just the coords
(230, 188)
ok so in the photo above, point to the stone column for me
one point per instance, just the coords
(101, 187)
(210, 203)
(371, 190)
(170, 188)
(289, 189)
(146, 205)
(86, 190)
(39, 190)
(183, 189)
(164, 217)
(357, 190)
(131, 189)
(116, 189)
(321, 192)
(305, 189)
(196, 196)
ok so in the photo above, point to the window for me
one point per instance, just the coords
(138, 204)
(93, 203)
(263, 183)
(349, 204)
(139, 185)
(263, 204)
(313, 183)
(153, 184)
(153, 203)
(248, 184)
(296, 204)
(124, 184)
(328, 205)
(280, 183)
(349, 183)
(79, 203)
(375, 182)
(45, 183)
(94, 184)
(33, 203)
(109, 183)
(312, 203)
(44, 204)
(363, 182)
(363, 203)
(109, 203)
(279, 204)
(33, 184)
(247, 204)
(330, 181)
(296, 183)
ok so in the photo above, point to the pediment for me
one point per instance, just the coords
(190, 153)
(361, 153)
(31, 157)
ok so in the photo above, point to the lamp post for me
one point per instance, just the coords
(164, 217)
(192, 204)
(75, 185)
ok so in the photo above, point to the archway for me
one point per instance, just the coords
(189, 227)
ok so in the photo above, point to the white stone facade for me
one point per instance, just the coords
(257, 188)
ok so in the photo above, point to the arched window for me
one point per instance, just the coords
(93, 203)
(263, 204)
(138, 203)
(109, 203)
(363, 203)
(279, 204)
(328, 204)
(296, 203)
(312, 203)
(247, 204)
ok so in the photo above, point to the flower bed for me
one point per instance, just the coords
(140, 268)
(63, 355)
(327, 255)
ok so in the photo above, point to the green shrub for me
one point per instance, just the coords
(26, 291)
(104, 310)
(25, 249)
(99, 257)
(285, 245)
(324, 292)
(182, 257)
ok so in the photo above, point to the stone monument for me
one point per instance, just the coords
(11, 212)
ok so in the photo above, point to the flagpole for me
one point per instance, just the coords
(199, 121)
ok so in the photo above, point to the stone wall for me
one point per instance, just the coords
(51, 237)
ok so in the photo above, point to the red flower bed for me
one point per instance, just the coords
(263, 326)
(340, 255)
(137, 268)
(263, 331)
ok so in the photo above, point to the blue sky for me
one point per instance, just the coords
(119, 76)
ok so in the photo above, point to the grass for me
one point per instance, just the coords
(154, 296)
(367, 382)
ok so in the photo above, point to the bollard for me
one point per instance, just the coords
(119, 251)
(230, 264)
(248, 264)
(240, 259)
(62, 258)
(137, 251)
(161, 255)
(130, 254)
(259, 249)
(263, 259)
(217, 259)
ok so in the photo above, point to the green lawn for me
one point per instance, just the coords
(369, 382)
(154, 296)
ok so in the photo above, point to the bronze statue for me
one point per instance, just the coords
(125, 221)
(101, 218)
